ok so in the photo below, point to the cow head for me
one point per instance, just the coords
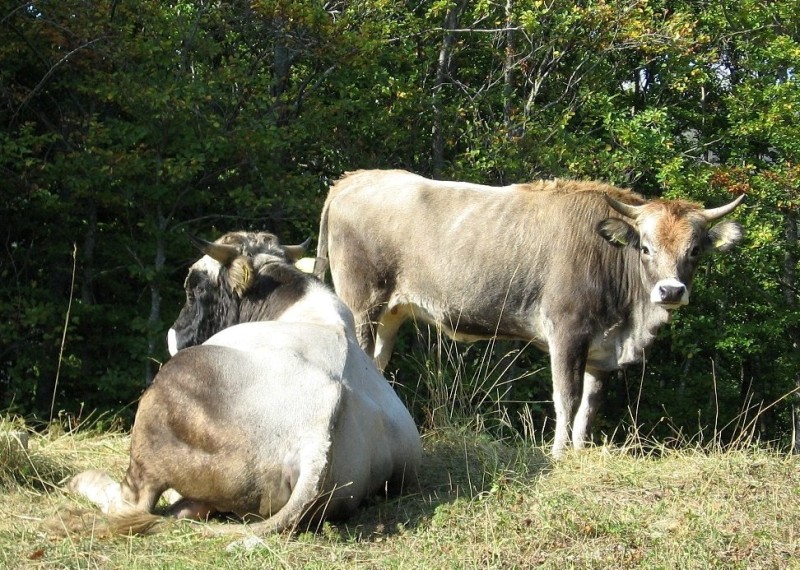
(217, 283)
(670, 236)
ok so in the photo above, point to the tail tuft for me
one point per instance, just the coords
(136, 522)
(82, 522)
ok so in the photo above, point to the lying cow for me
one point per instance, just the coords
(583, 270)
(283, 417)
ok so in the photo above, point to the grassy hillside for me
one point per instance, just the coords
(482, 504)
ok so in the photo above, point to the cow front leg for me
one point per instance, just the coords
(593, 389)
(568, 363)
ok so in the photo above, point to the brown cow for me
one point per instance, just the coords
(583, 270)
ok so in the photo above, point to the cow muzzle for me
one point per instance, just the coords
(172, 342)
(670, 293)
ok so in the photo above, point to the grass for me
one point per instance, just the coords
(481, 504)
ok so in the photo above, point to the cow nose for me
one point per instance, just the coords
(670, 292)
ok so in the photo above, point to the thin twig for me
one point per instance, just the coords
(66, 325)
(39, 86)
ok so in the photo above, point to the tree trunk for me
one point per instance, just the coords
(89, 241)
(508, 67)
(281, 68)
(790, 294)
(442, 73)
(155, 296)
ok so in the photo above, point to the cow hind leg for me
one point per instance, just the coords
(385, 335)
(366, 314)
(98, 487)
(305, 494)
(128, 509)
(188, 509)
(367, 300)
(139, 495)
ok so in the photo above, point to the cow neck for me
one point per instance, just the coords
(646, 318)
(322, 307)
(300, 299)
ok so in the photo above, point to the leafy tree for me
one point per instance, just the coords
(169, 117)
(126, 125)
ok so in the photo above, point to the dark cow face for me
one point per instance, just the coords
(217, 282)
(670, 236)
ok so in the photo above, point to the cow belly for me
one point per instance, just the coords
(466, 326)
(615, 347)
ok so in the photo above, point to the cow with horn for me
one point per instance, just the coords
(268, 409)
(583, 270)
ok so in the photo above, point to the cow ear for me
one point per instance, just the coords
(725, 235)
(305, 264)
(240, 275)
(618, 232)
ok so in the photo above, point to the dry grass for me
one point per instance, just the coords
(482, 503)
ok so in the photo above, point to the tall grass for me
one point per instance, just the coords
(473, 386)
(485, 387)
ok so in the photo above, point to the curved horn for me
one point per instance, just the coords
(224, 254)
(628, 210)
(295, 252)
(714, 213)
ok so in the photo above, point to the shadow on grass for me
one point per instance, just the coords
(455, 465)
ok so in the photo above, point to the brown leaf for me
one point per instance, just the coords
(36, 554)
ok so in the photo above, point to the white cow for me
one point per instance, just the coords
(282, 417)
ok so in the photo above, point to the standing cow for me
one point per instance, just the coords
(583, 270)
(283, 417)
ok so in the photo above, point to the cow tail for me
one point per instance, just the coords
(83, 522)
(321, 264)
(118, 517)
(136, 522)
(77, 522)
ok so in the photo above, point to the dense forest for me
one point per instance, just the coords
(125, 126)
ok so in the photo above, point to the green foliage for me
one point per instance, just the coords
(126, 125)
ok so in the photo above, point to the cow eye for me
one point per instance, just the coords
(645, 250)
(695, 251)
(194, 286)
